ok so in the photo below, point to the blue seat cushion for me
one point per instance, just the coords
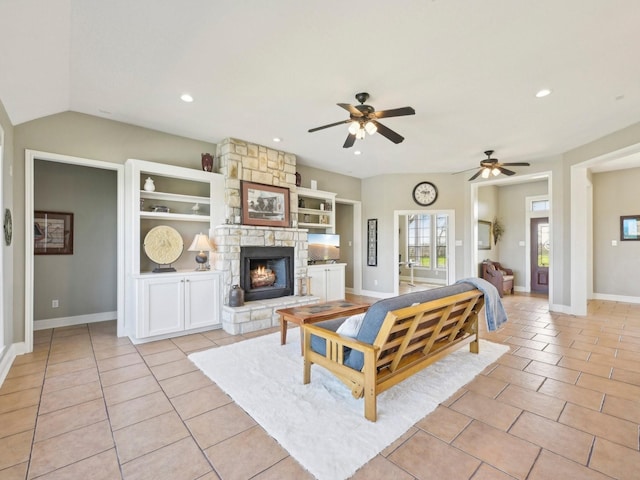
(318, 344)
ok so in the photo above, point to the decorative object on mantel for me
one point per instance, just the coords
(201, 243)
(195, 209)
(298, 179)
(163, 245)
(236, 296)
(207, 162)
(498, 230)
(314, 184)
(149, 186)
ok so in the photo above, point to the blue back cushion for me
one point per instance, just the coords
(378, 311)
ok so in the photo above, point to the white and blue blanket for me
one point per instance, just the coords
(493, 308)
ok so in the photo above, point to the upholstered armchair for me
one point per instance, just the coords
(499, 276)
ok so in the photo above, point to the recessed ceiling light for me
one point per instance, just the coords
(185, 97)
(543, 93)
(277, 139)
(357, 152)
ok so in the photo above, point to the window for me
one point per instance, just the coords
(427, 237)
(539, 205)
(442, 234)
(419, 240)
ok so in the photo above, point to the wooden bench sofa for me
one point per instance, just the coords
(398, 337)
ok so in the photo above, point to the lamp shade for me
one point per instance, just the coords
(201, 243)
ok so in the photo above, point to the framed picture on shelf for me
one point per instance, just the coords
(264, 205)
(630, 227)
(53, 233)
(372, 242)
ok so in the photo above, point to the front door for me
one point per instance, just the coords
(540, 241)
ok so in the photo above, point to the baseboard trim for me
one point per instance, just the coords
(616, 298)
(77, 320)
(6, 361)
(561, 309)
(433, 281)
(372, 293)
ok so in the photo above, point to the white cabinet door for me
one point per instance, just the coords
(161, 305)
(327, 281)
(317, 281)
(202, 301)
(334, 282)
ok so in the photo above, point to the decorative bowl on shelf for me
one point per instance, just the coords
(160, 208)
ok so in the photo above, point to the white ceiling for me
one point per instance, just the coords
(260, 69)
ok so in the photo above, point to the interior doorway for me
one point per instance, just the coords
(30, 161)
(540, 248)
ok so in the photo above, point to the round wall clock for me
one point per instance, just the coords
(425, 194)
(163, 245)
(8, 227)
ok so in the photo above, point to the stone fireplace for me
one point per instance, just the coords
(266, 272)
(239, 161)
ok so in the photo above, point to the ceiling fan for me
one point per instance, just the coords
(364, 119)
(491, 166)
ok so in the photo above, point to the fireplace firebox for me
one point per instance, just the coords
(266, 272)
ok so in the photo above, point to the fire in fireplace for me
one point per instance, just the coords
(266, 272)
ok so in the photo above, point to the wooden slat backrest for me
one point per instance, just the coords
(423, 329)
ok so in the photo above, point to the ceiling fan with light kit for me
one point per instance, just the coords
(363, 119)
(491, 166)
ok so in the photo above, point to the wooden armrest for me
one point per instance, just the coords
(339, 339)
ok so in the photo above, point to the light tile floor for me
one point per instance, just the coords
(563, 404)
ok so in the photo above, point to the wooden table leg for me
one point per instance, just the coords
(283, 330)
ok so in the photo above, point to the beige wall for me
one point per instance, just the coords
(88, 137)
(343, 185)
(616, 269)
(384, 194)
(12, 323)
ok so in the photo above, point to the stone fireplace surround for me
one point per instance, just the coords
(240, 160)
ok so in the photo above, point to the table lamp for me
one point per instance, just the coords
(201, 244)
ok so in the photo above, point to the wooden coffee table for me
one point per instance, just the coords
(317, 312)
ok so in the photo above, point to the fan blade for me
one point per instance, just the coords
(395, 112)
(517, 164)
(330, 125)
(351, 139)
(465, 170)
(388, 133)
(506, 171)
(476, 175)
(351, 109)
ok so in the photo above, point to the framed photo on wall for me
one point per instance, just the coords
(264, 205)
(372, 242)
(630, 227)
(52, 233)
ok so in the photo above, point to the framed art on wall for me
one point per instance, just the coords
(264, 205)
(484, 235)
(52, 233)
(630, 227)
(372, 242)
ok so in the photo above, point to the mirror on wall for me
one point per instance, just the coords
(484, 235)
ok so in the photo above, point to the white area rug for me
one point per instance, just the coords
(321, 425)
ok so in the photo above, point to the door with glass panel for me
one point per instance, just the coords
(540, 244)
